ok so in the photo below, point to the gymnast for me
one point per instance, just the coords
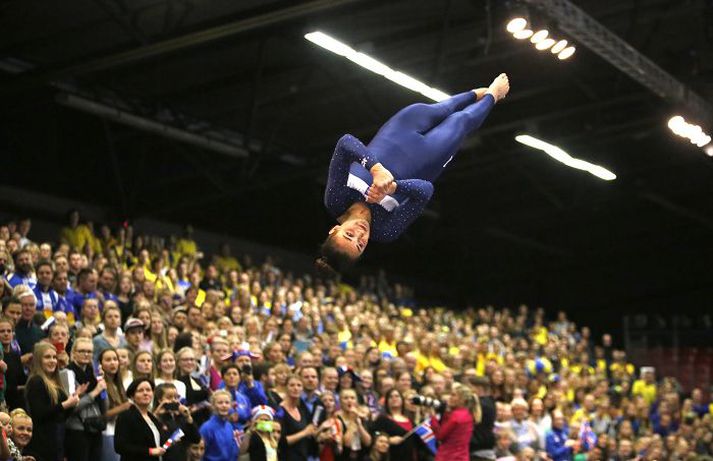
(377, 191)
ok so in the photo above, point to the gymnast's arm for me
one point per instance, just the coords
(338, 196)
(419, 193)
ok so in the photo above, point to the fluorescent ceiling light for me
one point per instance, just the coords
(559, 46)
(523, 34)
(516, 24)
(544, 44)
(566, 53)
(369, 63)
(562, 156)
(539, 36)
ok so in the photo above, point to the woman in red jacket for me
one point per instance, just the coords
(455, 428)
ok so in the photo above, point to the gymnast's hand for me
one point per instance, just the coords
(382, 177)
(374, 195)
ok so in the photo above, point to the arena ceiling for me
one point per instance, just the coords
(506, 223)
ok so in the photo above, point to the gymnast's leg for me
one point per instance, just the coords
(445, 139)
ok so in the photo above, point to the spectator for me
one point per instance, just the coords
(21, 434)
(14, 374)
(110, 337)
(297, 427)
(27, 332)
(116, 400)
(48, 403)
(139, 435)
(218, 434)
(173, 415)
(558, 445)
(166, 372)
(23, 274)
(85, 425)
(395, 425)
(260, 440)
(455, 428)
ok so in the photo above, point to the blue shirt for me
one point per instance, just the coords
(15, 279)
(46, 299)
(554, 445)
(220, 443)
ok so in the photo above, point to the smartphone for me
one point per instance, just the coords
(59, 346)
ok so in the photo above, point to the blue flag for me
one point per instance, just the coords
(426, 434)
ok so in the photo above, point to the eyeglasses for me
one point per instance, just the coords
(84, 351)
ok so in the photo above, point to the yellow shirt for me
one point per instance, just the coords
(77, 238)
(186, 247)
(389, 348)
(627, 368)
(647, 391)
(540, 336)
(225, 264)
(425, 361)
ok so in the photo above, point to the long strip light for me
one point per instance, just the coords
(562, 156)
(364, 60)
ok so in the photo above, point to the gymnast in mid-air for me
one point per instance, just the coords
(377, 191)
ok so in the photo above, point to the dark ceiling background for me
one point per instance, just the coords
(506, 225)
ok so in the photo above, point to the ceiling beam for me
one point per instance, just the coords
(45, 75)
(609, 46)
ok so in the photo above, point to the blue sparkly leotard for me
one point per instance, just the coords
(415, 145)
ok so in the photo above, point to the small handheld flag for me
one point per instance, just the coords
(587, 437)
(425, 432)
(175, 437)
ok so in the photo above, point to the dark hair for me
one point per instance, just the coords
(45, 262)
(131, 390)
(387, 410)
(160, 391)
(332, 260)
(229, 366)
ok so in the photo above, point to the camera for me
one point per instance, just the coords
(430, 402)
(172, 406)
(247, 369)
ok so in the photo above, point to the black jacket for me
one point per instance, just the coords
(47, 442)
(483, 436)
(133, 437)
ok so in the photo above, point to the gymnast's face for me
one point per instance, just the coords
(351, 236)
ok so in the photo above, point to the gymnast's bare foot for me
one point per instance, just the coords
(500, 87)
(479, 93)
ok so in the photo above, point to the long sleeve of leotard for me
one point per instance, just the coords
(338, 196)
(419, 192)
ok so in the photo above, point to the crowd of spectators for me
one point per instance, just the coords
(123, 345)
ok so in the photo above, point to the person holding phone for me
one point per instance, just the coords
(174, 415)
(48, 403)
(242, 403)
(259, 440)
